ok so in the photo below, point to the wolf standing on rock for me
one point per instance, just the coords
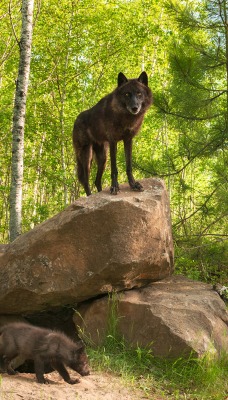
(42, 345)
(117, 116)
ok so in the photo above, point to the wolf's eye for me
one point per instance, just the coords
(127, 94)
(139, 94)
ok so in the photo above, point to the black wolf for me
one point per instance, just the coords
(118, 116)
(42, 345)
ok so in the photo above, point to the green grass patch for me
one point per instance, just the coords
(188, 378)
(158, 378)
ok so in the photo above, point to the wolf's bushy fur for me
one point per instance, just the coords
(42, 346)
(117, 116)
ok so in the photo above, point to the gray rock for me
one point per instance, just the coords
(98, 244)
(174, 317)
(3, 248)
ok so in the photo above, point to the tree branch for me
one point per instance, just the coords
(196, 211)
(12, 25)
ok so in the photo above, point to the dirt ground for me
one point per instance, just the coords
(97, 386)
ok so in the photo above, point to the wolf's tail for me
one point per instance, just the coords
(80, 171)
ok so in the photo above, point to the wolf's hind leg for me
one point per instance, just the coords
(7, 364)
(100, 151)
(84, 161)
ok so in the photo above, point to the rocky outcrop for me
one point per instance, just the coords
(174, 317)
(104, 244)
(3, 248)
(96, 245)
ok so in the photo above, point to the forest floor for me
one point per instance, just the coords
(97, 386)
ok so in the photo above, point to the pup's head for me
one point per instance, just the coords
(135, 94)
(79, 361)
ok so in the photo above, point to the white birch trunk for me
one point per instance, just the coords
(19, 119)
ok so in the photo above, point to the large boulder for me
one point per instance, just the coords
(174, 317)
(98, 244)
(3, 248)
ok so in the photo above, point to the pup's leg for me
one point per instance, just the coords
(7, 364)
(2, 364)
(58, 366)
(128, 157)
(39, 370)
(100, 151)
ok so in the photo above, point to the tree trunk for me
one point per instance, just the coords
(19, 119)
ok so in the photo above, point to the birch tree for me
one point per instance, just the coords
(25, 45)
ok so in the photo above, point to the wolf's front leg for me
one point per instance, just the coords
(114, 189)
(39, 370)
(58, 366)
(128, 157)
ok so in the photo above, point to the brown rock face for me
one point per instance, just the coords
(98, 244)
(174, 317)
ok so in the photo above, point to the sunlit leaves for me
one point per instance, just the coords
(79, 47)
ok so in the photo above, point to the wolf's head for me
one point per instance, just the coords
(135, 95)
(79, 361)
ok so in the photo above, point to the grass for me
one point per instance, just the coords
(187, 378)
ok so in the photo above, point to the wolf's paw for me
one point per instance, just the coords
(73, 381)
(11, 372)
(43, 381)
(137, 187)
(114, 189)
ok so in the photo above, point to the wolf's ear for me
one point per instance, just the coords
(121, 79)
(80, 344)
(143, 78)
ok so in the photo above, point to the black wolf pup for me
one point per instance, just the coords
(118, 116)
(42, 345)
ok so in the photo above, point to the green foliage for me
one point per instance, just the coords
(78, 49)
(184, 378)
(203, 259)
